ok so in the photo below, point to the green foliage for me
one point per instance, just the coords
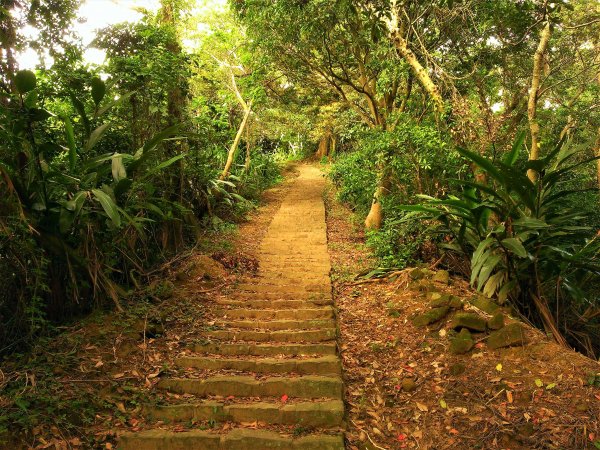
(526, 242)
(355, 176)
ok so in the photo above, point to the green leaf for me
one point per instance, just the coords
(515, 246)
(98, 90)
(487, 268)
(25, 81)
(511, 157)
(80, 107)
(95, 136)
(109, 206)
(538, 382)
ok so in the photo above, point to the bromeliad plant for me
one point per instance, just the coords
(526, 243)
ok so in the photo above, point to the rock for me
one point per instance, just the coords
(455, 302)
(471, 321)
(440, 300)
(485, 304)
(430, 316)
(408, 385)
(433, 296)
(462, 342)
(206, 268)
(441, 276)
(496, 322)
(511, 334)
(457, 369)
(416, 274)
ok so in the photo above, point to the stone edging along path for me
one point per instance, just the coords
(278, 329)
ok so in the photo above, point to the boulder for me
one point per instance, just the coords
(462, 342)
(455, 302)
(511, 334)
(496, 322)
(485, 304)
(430, 316)
(471, 321)
(442, 277)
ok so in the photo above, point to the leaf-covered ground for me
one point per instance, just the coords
(404, 389)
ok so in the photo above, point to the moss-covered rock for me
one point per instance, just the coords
(455, 302)
(462, 342)
(442, 300)
(416, 274)
(511, 334)
(485, 304)
(471, 321)
(430, 316)
(496, 322)
(442, 277)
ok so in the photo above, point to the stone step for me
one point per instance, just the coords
(274, 304)
(311, 366)
(305, 313)
(308, 296)
(278, 324)
(323, 335)
(308, 386)
(323, 414)
(265, 349)
(237, 439)
(284, 288)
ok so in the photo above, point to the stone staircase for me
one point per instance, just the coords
(278, 335)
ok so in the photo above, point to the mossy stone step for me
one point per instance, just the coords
(265, 349)
(310, 336)
(324, 414)
(279, 324)
(238, 439)
(297, 314)
(311, 366)
(309, 386)
(275, 304)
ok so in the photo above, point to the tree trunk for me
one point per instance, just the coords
(236, 141)
(248, 148)
(323, 148)
(597, 154)
(374, 219)
(419, 72)
(534, 126)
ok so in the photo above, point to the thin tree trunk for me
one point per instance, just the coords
(597, 154)
(419, 72)
(534, 126)
(374, 219)
(236, 142)
(248, 155)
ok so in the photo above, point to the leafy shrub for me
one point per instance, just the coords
(526, 242)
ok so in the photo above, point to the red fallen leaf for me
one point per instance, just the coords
(401, 437)
(479, 345)
(231, 397)
(597, 396)
(284, 398)
(592, 436)
(454, 431)
(397, 387)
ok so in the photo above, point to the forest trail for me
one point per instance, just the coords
(278, 330)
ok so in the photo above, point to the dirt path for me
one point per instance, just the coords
(277, 334)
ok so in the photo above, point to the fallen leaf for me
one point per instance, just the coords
(422, 407)
(539, 382)
(509, 396)
(499, 367)
(284, 398)
(443, 403)
(116, 376)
